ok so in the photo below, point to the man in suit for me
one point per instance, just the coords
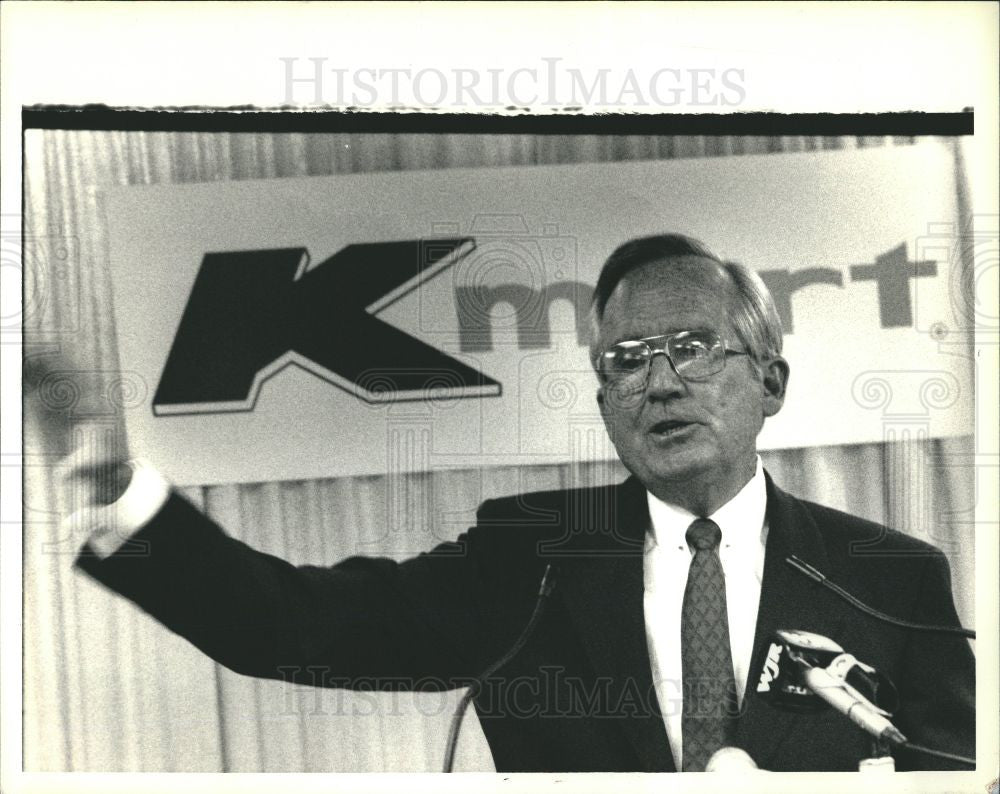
(668, 587)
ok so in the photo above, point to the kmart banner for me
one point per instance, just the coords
(407, 321)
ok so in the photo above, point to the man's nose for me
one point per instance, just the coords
(663, 379)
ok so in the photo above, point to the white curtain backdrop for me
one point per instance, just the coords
(108, 689)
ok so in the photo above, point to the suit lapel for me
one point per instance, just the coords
(601, 585)
(787, 602)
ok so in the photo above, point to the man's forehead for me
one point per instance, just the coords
(693, 277)
(665, 296)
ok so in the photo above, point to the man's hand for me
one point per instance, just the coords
(57, 403)
(100, 475)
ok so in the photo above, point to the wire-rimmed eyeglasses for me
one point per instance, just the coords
(692, 354)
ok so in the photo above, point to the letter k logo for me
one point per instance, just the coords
(253, 313)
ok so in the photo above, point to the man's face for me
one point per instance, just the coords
(690, 442)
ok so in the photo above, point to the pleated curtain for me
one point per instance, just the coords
(108, 689)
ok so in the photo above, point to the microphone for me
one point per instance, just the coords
(545, 588)
(807, 672)
(848, 701)
(810, 672)
(730, 759)
(817, 576)
(792, 653)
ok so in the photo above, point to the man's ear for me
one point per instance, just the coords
(774, 377)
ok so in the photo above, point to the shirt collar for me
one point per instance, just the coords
(741, 519)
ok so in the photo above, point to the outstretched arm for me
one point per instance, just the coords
(343, 625)
(411, 624)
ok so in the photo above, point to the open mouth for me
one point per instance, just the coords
(669, 427)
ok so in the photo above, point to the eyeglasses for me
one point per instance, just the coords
(693, 355)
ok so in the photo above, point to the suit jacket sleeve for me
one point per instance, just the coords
(409, 625)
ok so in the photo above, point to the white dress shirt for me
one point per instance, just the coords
(666, 560)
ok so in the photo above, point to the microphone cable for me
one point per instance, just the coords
(961, 759)
(544, 591)
(807, 570)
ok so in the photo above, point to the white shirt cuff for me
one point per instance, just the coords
(110, 526)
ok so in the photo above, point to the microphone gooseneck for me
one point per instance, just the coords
(961, 759)
(817, 576)
(544, 591)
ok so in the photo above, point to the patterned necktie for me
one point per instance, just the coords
(709, 686)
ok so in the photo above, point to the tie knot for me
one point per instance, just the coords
(703, 534)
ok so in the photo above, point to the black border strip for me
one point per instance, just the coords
(101, 117)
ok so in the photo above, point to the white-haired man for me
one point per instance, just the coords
(669, 588)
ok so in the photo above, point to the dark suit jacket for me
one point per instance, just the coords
(579, 696)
